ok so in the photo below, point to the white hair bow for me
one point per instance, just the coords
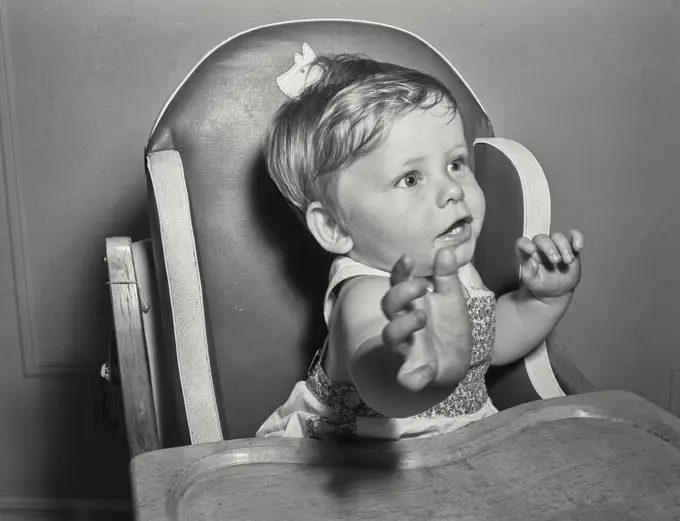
(301, 74)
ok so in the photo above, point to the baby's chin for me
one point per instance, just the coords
(425, 267)
(423, 262)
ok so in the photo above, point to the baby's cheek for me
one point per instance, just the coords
(477, 227)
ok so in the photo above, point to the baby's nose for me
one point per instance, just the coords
(451, 191)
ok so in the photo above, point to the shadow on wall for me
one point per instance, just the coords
(307, 264)
(136, 224)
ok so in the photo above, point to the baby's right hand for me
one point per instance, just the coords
(430, 327)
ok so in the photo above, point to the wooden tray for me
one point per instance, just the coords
(598, 456)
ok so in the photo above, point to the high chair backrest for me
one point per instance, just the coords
(241, 280)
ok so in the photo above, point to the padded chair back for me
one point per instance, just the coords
(231, 257)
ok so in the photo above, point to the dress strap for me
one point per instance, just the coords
(342, 269)
(477, 292)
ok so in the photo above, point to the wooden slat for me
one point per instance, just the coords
(140, 417)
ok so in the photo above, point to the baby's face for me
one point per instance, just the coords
(414, 195)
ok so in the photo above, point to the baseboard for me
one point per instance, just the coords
(54, 508)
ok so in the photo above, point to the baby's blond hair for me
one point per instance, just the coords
(343, 116)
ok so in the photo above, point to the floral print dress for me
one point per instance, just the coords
(321, 408)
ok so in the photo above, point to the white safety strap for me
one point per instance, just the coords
(536, 220)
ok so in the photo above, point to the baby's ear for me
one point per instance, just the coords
(326, 230)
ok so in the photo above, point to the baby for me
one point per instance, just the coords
(374, 157)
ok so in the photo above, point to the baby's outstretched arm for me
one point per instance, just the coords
(550, 270)
(419, 344)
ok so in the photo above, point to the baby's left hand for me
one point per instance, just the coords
(550, 266)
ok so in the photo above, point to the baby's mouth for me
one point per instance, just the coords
(458, 227)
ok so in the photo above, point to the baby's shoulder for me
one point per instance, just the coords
(357, 317)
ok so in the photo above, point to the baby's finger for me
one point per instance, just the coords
(402, 269)
(576, 238)
(564, 247)
(400, 297)
(529, 270)
(525, 249)
(446, 271)
(547, 247)
(399, 330)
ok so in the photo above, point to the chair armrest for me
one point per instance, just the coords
(140, 416)
(162, 362)
(180, 290)
(570, 378)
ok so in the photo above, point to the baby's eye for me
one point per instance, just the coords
(457, 165)
(408, 181)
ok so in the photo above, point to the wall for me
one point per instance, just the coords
(590, 87)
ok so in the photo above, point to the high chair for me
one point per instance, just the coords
(218, 314)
